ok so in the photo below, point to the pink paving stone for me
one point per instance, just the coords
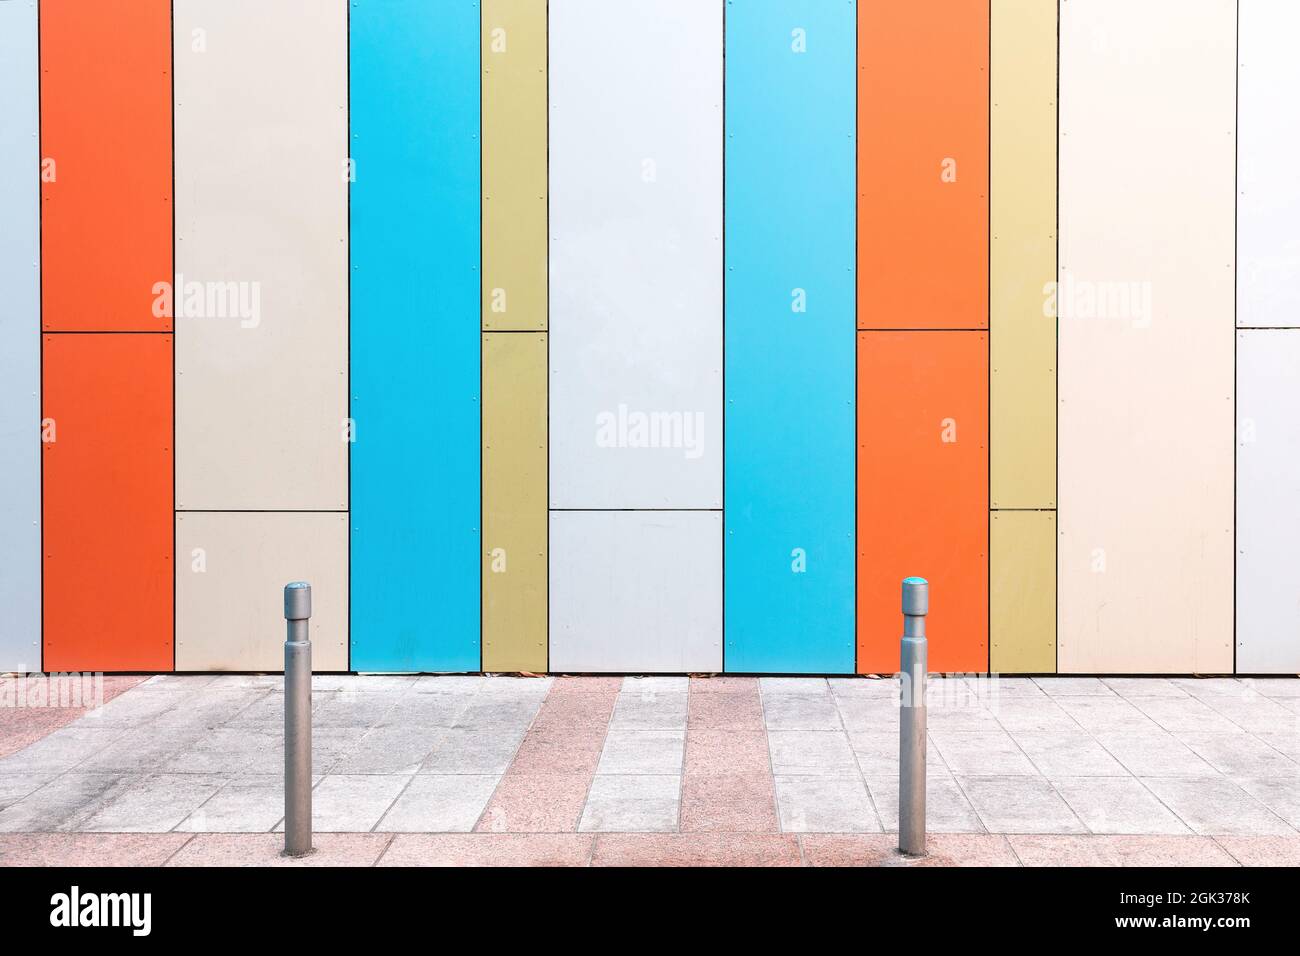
(1263, 850)
(22, 726)
(89, 849)
(266, 849)
(727, 752)
(1118, 850)
(944, 849)
(738, 711)
(724, 685)
(740, 803)
(553, 752)
(567, 686)
(488, 849)
(696, 849)
(536, 803)
(580, 713)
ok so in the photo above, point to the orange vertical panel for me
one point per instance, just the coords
(106, 144)
(923, 141)
(107, 404)
(923, 493)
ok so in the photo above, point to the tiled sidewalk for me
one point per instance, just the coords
(725, 769)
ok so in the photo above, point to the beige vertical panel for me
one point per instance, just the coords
(1146, 336)
(1022, 255)
(261, 221)
(1022, 592)
(514, 501)
(514, 164)
(231, 572)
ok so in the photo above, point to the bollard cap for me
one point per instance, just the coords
(297, 601)
(916, 597)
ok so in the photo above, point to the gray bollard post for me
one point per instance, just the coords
(911, 723)
(297, 720)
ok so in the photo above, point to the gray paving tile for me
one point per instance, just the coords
(65, 800)
(153, 804)
(1069, 755)
(250, 804)
(793, 686)
(1183, 714)
(1284, 743)
(800, 712)
(1210, 686)
(999, 687)
(1117, 805)
(398, 750)
(1019, 805)
(1279, 794)
(455, 684)
(503, 687)
(652, 711)
(967, 716)
(1277, 688)
(1240, 754)
(173, 682)
(437, 803)
(982, 754)
(656, 685)
(870, 714)
(1257, 714)
(15, 786)
(643, 752)
(461, 751)
(1100, 715)
(365, 683)
(878, 754)
(353, 803)
(140, 749)
(818, 753)
(1040, 716)
(1144, 687)
(1216, 805)
(1073, 687)
(426, 710)
(867, 688)
(632, 802)
(230, 750)
(136, 706)
(205, 710)
(61, 750)
(1154, 755)
(353, 709)
(503, 715)
(825, 805)
(946, 808)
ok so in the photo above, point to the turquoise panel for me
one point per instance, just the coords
(414, 75)
(20, 341)
(790, 340)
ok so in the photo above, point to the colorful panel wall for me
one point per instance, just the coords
(415, 345)
(514, 348)
(790, 163)
(20, 343)
(636, 330)
(261, 314)
(234, 620)
(1145, 307)
(106, 393)
(923, 493)
(922, 478)
(1022, 340)
(923, 137)
(1268, 345)
(107, 401)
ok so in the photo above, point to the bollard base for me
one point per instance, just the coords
(287, 854)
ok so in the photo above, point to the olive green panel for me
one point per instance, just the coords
(514, 165)
(1022, 255)
(514, 501)
(1022, 592)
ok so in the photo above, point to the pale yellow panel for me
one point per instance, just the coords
(1022, 255)
(514, 164)
(514, 501)
(231, 569)
(1145, 559)
(1022, 592)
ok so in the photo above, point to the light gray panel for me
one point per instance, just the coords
(261, 200)
(20, 343)
(636, 591)
(1268, 501)
(1268, 197)
(636, 253)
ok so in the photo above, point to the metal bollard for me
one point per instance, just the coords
(911, 723)
(297, 720)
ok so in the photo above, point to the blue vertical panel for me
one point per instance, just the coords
(790, 347)
(415, 335)
(20, 343)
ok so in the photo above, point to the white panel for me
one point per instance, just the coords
(261, 200)
(1268, 204)
(1268, 502)
(20, 343)
(231, 573)
(636, 591)
(636, 252)
(1146, 389)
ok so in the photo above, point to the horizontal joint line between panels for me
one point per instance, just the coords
(701, 510)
